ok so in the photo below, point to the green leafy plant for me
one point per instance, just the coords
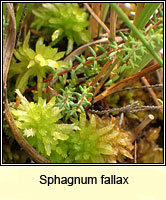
(81, 146)
(134, 55)
(69, 105)
(62, 20)
(96, 141)
(84, 141)
(40, 124)
(34, 63)
(115, 144)
(61, 129)
(137, 32)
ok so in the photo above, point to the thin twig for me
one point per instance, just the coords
(157, 15)
(8, 44)
(129, 108)
(82, 48)
(140, 87)
(143, 108)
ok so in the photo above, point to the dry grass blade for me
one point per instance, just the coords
(9, 42)
(97, 18)
(7, 54)
(94, 23)
(113, 20)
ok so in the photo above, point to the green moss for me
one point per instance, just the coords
(40, 124)
(62, 20)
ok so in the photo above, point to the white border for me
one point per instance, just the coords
(106, 164)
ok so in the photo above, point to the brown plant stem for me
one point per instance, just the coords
(97, 18)
(93, 22)
(126, 81)
(102, 71)
(137, 131)
(113, 19)
(106, 75)
(7, 54)
(9, 42)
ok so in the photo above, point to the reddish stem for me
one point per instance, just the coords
(65, 71)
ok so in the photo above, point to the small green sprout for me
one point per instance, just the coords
(35, 63)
